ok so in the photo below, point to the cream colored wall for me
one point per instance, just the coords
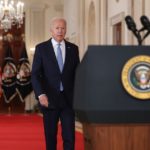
(34, 33)
(116, 13)
(83, 13)
(77, 13)
(91, 25)
(81, 27)
(94, 22)
(34, 27)
(103, 22)
(75, 16)
(71, 14)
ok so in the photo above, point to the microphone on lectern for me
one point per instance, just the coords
(146, 25)
(131, 25)
(145, 22)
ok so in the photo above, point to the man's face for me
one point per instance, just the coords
(58, 30)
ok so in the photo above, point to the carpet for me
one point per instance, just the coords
(25, 132)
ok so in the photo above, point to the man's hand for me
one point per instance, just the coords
(43, 100)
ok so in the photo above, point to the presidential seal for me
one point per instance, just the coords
(136, 77)
(9, 74)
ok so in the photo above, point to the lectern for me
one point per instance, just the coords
(112, 118)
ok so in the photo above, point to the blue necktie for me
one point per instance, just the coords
(60, 63)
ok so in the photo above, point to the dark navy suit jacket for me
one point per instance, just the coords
(46, 75)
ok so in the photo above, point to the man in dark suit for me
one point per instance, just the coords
(53, 74)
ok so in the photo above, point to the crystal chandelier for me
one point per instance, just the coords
(11, 14)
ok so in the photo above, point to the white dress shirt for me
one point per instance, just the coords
(62, 46)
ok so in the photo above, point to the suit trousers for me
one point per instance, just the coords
(51, 118)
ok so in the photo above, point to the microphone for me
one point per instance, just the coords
(146, 25)
(145, 22)
(131, 25)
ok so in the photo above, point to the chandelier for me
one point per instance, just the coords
(11, 13)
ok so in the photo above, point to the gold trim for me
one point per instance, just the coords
(125, 73)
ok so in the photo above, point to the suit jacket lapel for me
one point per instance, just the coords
(51, 54)
(66, 56)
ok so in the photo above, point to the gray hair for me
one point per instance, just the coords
(56, 19)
